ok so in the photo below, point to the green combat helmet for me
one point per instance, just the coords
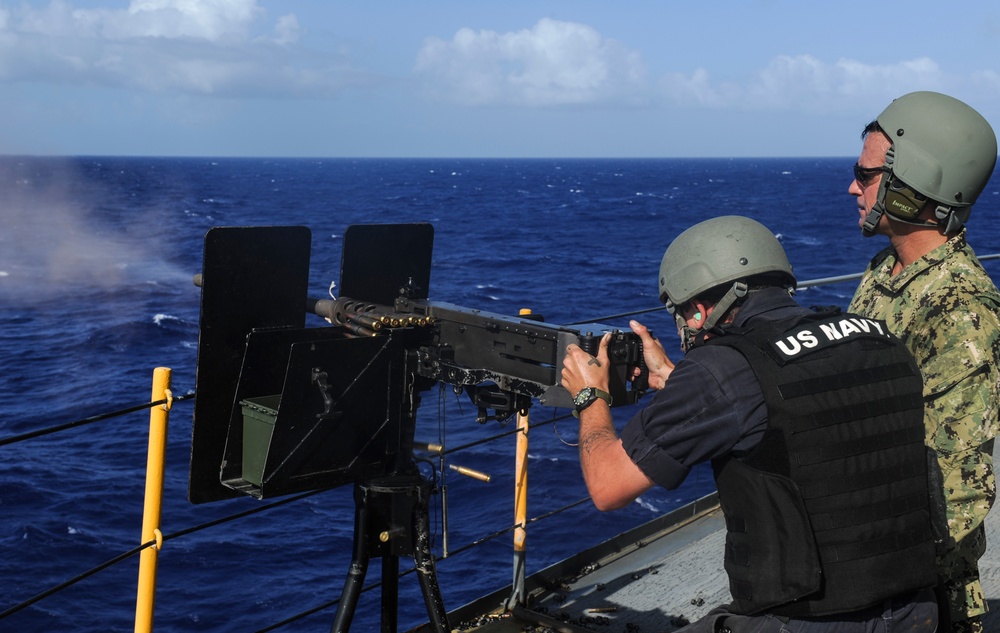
(942, 150)
(724, 250)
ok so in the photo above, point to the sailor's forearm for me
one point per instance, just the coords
(613, 480)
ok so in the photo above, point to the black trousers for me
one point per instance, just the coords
(914, 613)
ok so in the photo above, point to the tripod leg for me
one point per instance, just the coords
(359, 565)
(426, 571)
(390, 593)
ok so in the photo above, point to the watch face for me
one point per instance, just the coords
(585, 395)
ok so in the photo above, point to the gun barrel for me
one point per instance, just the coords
(339, 311)
(323, 307)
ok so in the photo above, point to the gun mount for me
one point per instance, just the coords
(283, 408)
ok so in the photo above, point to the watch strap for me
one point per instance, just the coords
(598, 394)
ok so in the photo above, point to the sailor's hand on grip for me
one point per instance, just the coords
(657, 362)
(580, 369)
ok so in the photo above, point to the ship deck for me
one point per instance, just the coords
(657, 577)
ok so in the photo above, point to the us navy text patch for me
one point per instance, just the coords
(820, 334)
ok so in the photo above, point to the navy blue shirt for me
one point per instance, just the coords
(711, 405)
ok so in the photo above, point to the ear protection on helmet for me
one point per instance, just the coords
(900, 201)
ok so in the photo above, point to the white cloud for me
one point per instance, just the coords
(287, 29)
(805, 83)
(218, 47)
(553, 63)
(212, 20)
(697, 91)
(558, 63)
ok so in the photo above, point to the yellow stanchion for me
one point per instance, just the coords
(517, 597)
(155, 457)
(521, 484)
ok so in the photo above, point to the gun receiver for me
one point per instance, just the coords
(502, 361)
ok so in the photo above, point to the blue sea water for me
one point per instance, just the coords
(97, 257)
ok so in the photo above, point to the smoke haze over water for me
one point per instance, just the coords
(55, 242)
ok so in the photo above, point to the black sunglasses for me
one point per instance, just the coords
(864, 175)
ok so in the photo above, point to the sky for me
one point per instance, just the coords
(477, 78)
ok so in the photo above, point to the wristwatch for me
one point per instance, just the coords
(588, 396)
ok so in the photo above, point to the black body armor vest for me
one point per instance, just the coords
(829, 513)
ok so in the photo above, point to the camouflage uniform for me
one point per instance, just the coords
(946, 310)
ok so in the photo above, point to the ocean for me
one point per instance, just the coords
(97, 257)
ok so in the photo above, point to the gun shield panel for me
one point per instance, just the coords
(252, 277)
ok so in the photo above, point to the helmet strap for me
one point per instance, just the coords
(686, 332)
(871, 221)
(955, 218)
(878, 209)
(733, 296)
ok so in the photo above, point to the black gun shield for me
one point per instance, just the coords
(380, 259)
(252, 278)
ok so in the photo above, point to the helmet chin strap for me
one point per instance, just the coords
(871, 221)
(692, 336)
(688, 334)
(736, 293)
(878, 209)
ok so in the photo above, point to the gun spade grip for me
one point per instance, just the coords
(590, 343)
(641, 382)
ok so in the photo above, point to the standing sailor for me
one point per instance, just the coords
(924, 162)
(812, 423)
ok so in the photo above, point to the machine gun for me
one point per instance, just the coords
(502, 362)
(284, 408)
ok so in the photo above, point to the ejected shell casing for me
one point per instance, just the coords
(468, 472)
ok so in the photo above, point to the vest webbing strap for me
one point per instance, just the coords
(864, 410)
(872, 375)
(869, 513)
(841, 450)
(854, 551)
(825, 486)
